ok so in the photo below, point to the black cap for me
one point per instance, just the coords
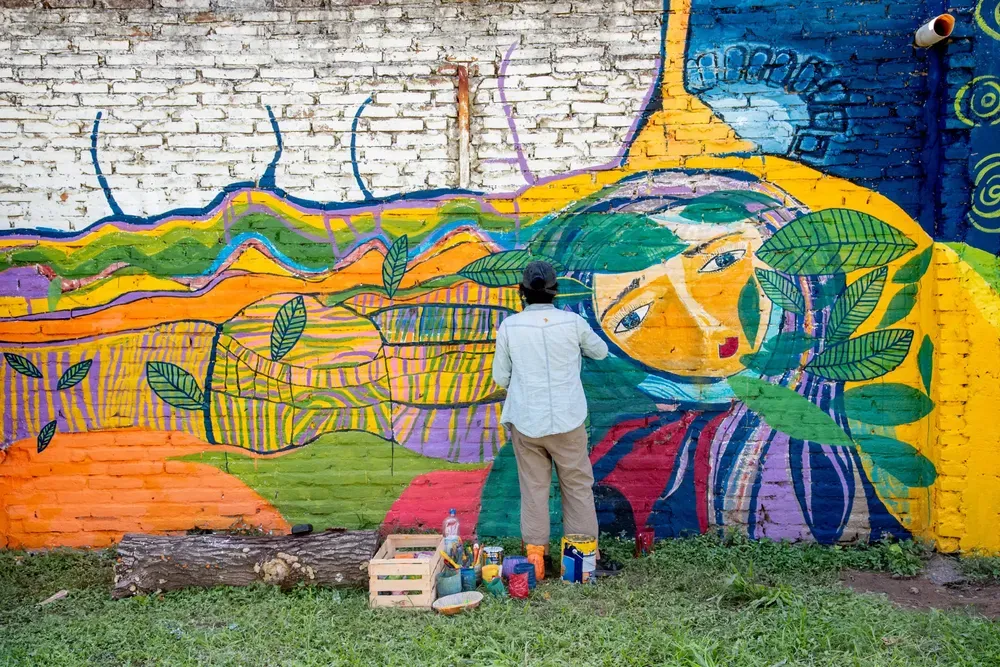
(540, 277)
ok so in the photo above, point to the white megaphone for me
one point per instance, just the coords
(932, 32)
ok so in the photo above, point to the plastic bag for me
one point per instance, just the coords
(518, 586)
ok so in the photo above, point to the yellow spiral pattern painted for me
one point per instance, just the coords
(978, 102)
(985, 214)
(988, 17)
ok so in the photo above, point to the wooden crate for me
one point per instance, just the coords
(416, 593)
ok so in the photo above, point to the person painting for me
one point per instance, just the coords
(538, 361)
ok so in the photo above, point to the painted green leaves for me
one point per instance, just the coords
(833, 241)
(888, 404)
(779, 354)
(781, 291)
(288, 326)
(788, 412)
(855, 305)
(499, 269)
(22, 365)
(74, 375)
(749, 310)
(45, 436)
(863, 358)
(174, 385)
(925, 361)
(899, 459)
(900, 305)
(394, 265)
(915, 268)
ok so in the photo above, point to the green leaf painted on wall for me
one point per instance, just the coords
(45, 436)
(925, 360)
(887, 404)
(779, 354)
(788, 412)
(856, 305)
(288, 326)
(22, 365)
(899, 459)
(749, 310)
(499, 269)
(900, 306)
(866, 357)
(781, 291)
(834, 240)
(74, 374)
(174, 385)
(915, 268)
(394, 265)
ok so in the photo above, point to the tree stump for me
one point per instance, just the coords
(153, 563)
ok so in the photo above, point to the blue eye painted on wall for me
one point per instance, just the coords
(722, 261)
(632, 319)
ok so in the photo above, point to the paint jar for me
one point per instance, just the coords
(449, 583)
(579, 558)
(490, 572)
(510, 562)
(468, 579)
(528, 569)
(644, 542)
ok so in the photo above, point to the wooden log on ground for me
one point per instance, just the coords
(151, 563)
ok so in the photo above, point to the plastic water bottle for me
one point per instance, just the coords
(450, 531)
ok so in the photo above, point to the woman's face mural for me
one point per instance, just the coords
(682, 316)
(679, 312)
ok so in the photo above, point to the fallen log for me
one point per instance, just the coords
(153, 563)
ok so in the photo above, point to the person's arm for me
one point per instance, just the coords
(501, 359)
(592, 345)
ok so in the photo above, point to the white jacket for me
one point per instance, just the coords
(538, 359)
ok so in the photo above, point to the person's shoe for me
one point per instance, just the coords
(536, 556)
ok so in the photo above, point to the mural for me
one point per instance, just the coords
(776, 347)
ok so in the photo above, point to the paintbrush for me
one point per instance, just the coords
(448, 559)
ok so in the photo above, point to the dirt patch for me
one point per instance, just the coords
(921, 593)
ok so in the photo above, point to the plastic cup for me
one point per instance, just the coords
(468, 579)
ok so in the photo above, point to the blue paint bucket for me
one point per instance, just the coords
(528, 569)
(448, 583)
(468, 579)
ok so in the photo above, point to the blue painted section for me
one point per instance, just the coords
(354, 149)
(101, 179)
(267, 182)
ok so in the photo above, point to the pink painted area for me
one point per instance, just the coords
(426, 501)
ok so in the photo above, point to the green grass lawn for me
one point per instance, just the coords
(678, 607)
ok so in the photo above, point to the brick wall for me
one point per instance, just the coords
(243, 281)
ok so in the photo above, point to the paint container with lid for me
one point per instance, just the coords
(579, 558)
(493, 555)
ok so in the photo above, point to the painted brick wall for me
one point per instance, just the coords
(243, 283)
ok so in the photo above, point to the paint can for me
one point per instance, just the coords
(579, 558)
(493, 555)
(644, 542)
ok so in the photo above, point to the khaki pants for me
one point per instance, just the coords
(576, 481)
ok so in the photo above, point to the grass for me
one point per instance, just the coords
(702, 601)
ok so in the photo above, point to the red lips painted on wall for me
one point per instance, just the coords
(729, 348)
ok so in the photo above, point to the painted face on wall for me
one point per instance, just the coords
(682, 316)
(669, 254)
